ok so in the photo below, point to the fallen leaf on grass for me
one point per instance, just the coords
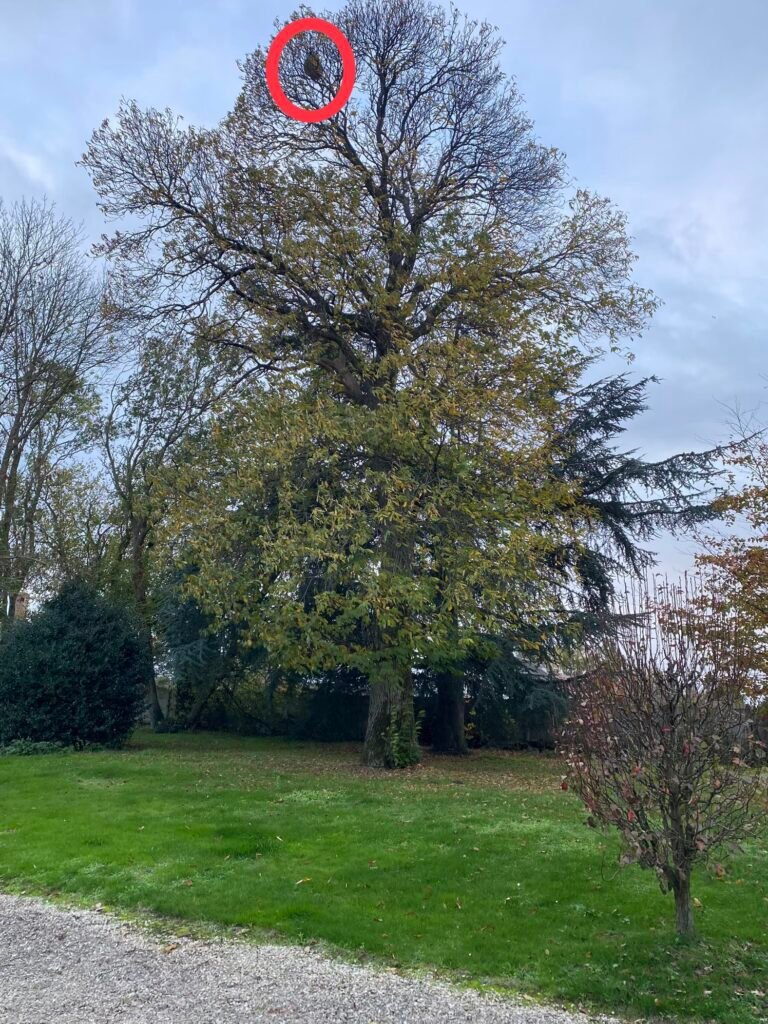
(301, 881)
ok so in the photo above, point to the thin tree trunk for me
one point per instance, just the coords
(448, 735)
(139, 531)
(192, 718)
(6, 598)
(6, 584)
(683, 905)
(156, 714)
(390, 739)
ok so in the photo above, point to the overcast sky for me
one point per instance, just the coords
(660, 104)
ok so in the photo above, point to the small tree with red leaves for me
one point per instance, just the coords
(659, 741)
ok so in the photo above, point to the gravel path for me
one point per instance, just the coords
(82, 967)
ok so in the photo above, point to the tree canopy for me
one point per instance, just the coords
(415, 282)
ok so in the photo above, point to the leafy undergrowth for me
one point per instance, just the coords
(481, 868)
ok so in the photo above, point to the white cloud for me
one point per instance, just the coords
(29, 165)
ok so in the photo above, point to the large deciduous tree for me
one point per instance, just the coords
(53, 338)
(414, 276)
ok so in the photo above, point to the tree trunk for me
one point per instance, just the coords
(156, 714)
(193, 716)
(448, 736)
(390, 738)
(6, 584)
(139, 533)
(681, 887)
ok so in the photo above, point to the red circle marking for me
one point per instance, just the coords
(285, 35)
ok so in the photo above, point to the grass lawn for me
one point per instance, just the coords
(481, 868)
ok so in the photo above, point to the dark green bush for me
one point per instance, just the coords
(75, 673)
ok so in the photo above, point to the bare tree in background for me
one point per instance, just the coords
(53, 337)
(658, 742)
(150, 415)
